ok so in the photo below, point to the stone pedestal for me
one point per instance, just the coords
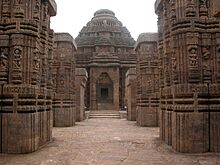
(25, 132)
(190, 132)
(63, 111)
(26, 121)
(195, 123)
(147, 117)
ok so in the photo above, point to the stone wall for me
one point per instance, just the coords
(130, 94)
(81, 78)
(63, 75)
(25, 79)
(147, 80)
(189, 50)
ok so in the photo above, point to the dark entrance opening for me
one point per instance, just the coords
(104, 89)
(104, 93)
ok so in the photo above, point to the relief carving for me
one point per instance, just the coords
(104, 79)
(203, 9)
(150, 85)
(4, 64)
(6, 9)
(4, 59)
(62, 79)
(19, 2)
(45, 13)
(36, 66)
(36, 60)
(112, 49)
(193, 57)
(18, 10)
(146, 49)
(173, 12)
(190, 9)
(206, 53)
(206, 56)
(175, 67)
(37, 11)
(16, 65)
(17, 58)
(54, 81)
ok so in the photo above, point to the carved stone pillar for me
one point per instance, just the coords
(81, 78)
(26, 102)
(63, 71)
(130, 94)
(189, 115)
(148, 80)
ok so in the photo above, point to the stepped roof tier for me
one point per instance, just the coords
(104, 29)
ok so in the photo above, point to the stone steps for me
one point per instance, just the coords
(104, 114)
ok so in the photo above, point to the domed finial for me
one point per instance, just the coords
(104, 12)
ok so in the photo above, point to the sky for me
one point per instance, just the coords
(137, 15)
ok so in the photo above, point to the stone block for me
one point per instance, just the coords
(168, 127)
(214, 131)
(190, 132)
(64, 116)
(25, 132)
(147, 117)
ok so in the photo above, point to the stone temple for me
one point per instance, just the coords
(105, 49)
(169, 79)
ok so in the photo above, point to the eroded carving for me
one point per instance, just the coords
(190, 9)
(4, 58)
(193, 57)
(4, 61)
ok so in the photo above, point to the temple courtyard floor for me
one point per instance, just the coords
(108, 142)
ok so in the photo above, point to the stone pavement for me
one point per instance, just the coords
(108, 142)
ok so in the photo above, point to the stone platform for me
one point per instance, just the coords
(108, 142)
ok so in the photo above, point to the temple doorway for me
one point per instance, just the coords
(104, 91)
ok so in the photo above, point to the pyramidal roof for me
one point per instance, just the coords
(104, 29)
